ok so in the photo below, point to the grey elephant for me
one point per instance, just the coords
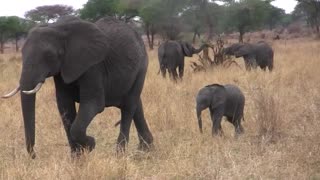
(171, 56)
(258, 54)
(98, 65)
(227, 100)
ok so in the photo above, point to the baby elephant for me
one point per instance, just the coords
(227, 100)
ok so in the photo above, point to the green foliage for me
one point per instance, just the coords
(12, 27)
(248, 15)
(43, 14)
(170, 17)
(121, 9)
(308, 10)
(95, 9)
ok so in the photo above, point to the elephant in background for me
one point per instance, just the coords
(171, 56)
(227, 100)
(258, 54)
(98, 65)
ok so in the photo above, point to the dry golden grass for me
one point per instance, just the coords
(281, 140)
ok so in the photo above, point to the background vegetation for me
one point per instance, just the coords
(281, 139)
(170, 18)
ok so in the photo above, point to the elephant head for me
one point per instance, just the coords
(238, 49)
(68, 47)
(245, 50)
(188, 50)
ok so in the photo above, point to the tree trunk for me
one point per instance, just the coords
(195, 34)
(17, 41)
(194, 37)
(150, 39)
(210, 31)
(1, 44)
(1, 47)
(241, 31)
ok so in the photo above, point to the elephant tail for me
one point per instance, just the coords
(199, 118)
(117, 123)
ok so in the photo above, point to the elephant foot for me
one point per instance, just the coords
(217, 133)
(121, 148)
(79, 148)
(239, 131)
(145, 147)
(32, 154)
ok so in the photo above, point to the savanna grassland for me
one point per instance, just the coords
(281, 140)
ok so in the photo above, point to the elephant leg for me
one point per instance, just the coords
(66, 106)
(174, 75)
(92, 102)
(181, 70)
(247, 64)
(125, 124)
(87, 111)
(250, 63)
(144, 134)
(236, 122)
(237, 126)
(270, 67)
(163, 71)
(216, 117)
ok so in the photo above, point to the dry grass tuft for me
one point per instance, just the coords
(281, 139)
(268, 115)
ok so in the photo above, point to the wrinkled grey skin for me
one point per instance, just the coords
(227, 100)
(258, 54)
(171, 56)
(98, 65)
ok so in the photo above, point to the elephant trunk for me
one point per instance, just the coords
(28, 112)
(199, 119)
(196, 51)
(29, 84)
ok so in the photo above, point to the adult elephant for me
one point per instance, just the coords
(171, 56)
(258, 54)
(98, 65)
(222, 100)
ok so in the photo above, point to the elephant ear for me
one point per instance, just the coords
(187, 49)
(243, 50)
(85, 46)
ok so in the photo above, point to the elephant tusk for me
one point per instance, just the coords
(35, 90)
(12, 93)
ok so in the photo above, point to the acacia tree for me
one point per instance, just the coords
(161, 16)
(191, 17)
(150, 15)
(274, 17)
(18, 27)
(121, 9)
(44, 14)
(310, 11)
(3, 32)
(245, 15)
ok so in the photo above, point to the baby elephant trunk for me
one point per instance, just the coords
(199, 118)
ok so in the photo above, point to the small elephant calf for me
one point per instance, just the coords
(227, 100)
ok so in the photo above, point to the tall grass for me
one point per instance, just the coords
(281, 140)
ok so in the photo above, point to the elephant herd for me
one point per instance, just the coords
(171, 55)
(104, 64)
